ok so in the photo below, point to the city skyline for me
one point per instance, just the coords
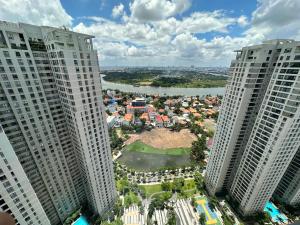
(156, 33)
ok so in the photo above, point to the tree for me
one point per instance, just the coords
(171, 217)
(198, 181)
(197, 151)
(115, 141)
(202, 219)
(166, 186)
(141, 210)
(178, 184)
(193, 202)
(262, 218)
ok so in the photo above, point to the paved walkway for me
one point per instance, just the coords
(132, 216)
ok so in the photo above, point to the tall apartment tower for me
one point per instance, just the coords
(17, 196)
(51, 111)
(288, 190)
(258, 127)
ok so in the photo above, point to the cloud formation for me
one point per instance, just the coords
(155, 10)
(166, 32)
(38, 12)
(118, 10)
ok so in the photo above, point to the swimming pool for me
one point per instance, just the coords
(275, 214)
(81, 221)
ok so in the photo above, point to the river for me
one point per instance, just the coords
(170, 91)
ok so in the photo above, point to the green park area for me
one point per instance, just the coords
(139, 146)
(179, 185)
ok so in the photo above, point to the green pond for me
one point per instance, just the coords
(148, 161)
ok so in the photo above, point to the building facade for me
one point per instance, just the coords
(288, 190)
(51, 111)
(17, 196)
(257, 134)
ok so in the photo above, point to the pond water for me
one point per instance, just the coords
(147, 161)
(170, 91)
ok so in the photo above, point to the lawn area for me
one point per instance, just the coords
(139, 146)
(151, 189)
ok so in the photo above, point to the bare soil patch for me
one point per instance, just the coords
(164, 138)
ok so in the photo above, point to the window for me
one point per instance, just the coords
(6, 53)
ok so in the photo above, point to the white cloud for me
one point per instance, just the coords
(37, 12)
(155, 10)
(203, 22)
(242, 21)
(276, 18)
(154, 34)
(118, 10)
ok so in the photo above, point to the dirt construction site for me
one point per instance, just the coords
(164, 138)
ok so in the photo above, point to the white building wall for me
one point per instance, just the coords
(17, 196)
(275, 137)
(251, 152)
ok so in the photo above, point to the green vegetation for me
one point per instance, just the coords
(139, 146)
(130, 199)
(171, 217)
(159, 202)
(179, 185)
(189, 82)
(151, 189)
(159, 78)
(199, 182)
(118, 221)
(202, 219)
(72, 217)
(198, 148)
(115, 140)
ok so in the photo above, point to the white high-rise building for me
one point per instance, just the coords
(288, 190)
(17, 196)
(258, 128)
(52, 112)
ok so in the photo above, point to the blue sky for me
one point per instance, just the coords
(164, 32)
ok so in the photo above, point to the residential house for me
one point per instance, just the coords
(166, 121)
(128, 119)
(158, 121)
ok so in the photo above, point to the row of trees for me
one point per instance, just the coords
(197, 151)
(176, 186)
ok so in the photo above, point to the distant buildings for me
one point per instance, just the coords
(52, 113)
(137, 105)
(258, 131)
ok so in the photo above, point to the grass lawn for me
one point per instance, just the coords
(139, 146)
(151, 189)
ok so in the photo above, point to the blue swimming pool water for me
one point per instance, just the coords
(272, 210)
(81, 221)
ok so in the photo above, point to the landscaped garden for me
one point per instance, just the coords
(179, 185)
